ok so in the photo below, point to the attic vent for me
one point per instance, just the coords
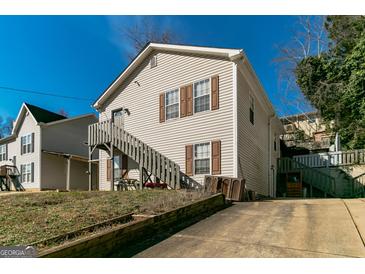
(153, 61)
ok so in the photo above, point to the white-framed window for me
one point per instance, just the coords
(26, 173)
(252, 109)
(202, 158)
(3, 153)
(202, 95)
(26, 143)
(172, 104)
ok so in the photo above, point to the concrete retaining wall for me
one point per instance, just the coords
(129, 239)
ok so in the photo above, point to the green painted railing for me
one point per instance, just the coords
(311, 176)
(358, 186)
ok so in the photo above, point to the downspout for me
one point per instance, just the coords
(269, 189)
(40, 155)
(68, 175)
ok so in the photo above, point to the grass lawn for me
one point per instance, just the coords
(29, 217)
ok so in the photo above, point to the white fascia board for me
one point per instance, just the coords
(21, 113)
(7, 138)
(197, 50)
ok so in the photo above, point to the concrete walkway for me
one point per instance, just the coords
(276, 228)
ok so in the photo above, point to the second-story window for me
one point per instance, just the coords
(172, 104)
(3, 153)
(27, 143)
(202, 95)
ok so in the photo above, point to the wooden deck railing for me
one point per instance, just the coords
(359, 186)
(338, 158)
(148, 158)
(311, 176)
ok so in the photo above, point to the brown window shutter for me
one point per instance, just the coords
(189, 160)
(183, 102)
(32, 172)
(162, 107)
(215, 92)
(33, 142)
(189, 100)
(108, 169)
(21, 145)
(216, 157)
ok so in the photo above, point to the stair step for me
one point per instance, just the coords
(148, 159)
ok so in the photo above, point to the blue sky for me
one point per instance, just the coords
(80, 56)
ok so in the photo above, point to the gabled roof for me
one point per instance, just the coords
(42, 115)
(228, 53)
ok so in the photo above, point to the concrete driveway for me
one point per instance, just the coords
(275, 228)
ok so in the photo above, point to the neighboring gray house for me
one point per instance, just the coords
(202, 107)
(48, 149)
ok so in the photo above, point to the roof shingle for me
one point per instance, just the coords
(43, 115)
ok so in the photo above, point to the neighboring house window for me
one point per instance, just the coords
(26, 173)
(202, 158)
(202, 95)
(3, 153)
(26, 143)
(252, 109)
(172, 104)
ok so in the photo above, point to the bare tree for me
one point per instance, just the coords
(146, 30)
(309, 38)
(6, 126)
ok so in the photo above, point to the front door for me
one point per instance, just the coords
(118, 117)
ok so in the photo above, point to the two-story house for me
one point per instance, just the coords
(48, 149)
(202, 107)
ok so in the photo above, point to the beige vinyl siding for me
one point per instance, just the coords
(54, 173)
(68, 136)
(65, 137)
(169, 138)
(252, 140)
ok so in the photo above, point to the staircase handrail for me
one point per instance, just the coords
(329, 186)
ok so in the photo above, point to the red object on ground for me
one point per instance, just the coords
(153, 185)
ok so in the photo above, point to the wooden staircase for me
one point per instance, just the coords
(4, 186)
(108, 136)
(358, 186)
(10, 175)
(320, 180)
(310, 176)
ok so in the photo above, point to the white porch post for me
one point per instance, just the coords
(68, 173)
